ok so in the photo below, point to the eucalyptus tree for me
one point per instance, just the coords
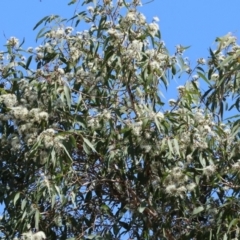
(90, 149)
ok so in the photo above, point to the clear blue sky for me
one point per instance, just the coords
(188, 22)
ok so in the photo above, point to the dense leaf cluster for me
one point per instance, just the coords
(89, 149)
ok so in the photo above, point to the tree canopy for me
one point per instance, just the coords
(89, 148)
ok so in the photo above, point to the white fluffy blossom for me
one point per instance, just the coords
(191, 186)
(171, 189)
(13, 42)
(8, 99)
(60, 71)
(43, 115)
(214, 76)
(131, 16)
(153, 28)
(201, 61)
(209, 170)
(172, 102)
(20, 112)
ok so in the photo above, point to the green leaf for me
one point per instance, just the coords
(16, 197)
(89, 144)
(23, 204)
(36, 218)
(197, 210)
(67, 95)
(91, 236)
(72, 2)
(142, 207)
(66, 151)
(204, 78)
(225, 237)
(233, 223)
(40, 22)
(28, 62)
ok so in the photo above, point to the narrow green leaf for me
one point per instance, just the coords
(53, 201)
(204, 78)
(72, 2)
(28, 62)
(36, 218)
(16, 197)
(225, 237)
(232, 223)
(40, 22)
(67, 95)
(197, 210)
(23, 204)
(89, 144)
(66, 151)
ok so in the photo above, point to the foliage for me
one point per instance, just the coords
(88, 149)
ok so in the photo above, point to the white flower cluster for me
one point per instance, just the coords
(8, 99)
(59, 33)
(236, 166)
(13, 42)
(209, 170)
(145, 112)
(134, 49)
(51, 140)
(226, 41)
(177, 183)
(153, 28)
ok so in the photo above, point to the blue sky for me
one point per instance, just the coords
(192, 23)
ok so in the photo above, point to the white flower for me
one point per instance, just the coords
(68, 30)
(160, 115)
(195, 77)
(137, 2)
(156, 19)
(20, 112)
(154, 65)
(172, 102)
(13, 42)
(60, 33)
(191, 186)
(147, 148)
(30, 49)
(39, 55)
(43, 115)
(8, 99)
(141, 19)
(171, 189)
(214, 76)
(189, 158)
(201, 61)
(209, 170)
(236, 165)
(177, 173)
(207, 128)
(90, 9)
(136, 46)
(181, 89)
(49, 131)
(60, 71)
(153, 28)
(181, 190)
(131, 16)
